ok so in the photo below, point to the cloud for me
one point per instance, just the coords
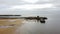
(31, 6)
(18, 2)
(15, 4)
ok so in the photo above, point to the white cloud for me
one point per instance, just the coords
(32, 6)
(30, 1)
(15, 6)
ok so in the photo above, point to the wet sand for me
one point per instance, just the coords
(9, 26)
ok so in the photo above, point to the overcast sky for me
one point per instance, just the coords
(27, 7)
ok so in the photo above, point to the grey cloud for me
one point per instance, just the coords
(18, 2)
(6, 4)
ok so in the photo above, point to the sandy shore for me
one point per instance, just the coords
(9, 26)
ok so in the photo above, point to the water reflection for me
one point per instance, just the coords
(32, 27)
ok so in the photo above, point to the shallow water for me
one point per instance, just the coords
(34, 27)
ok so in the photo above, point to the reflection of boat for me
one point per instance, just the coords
(41, 19)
